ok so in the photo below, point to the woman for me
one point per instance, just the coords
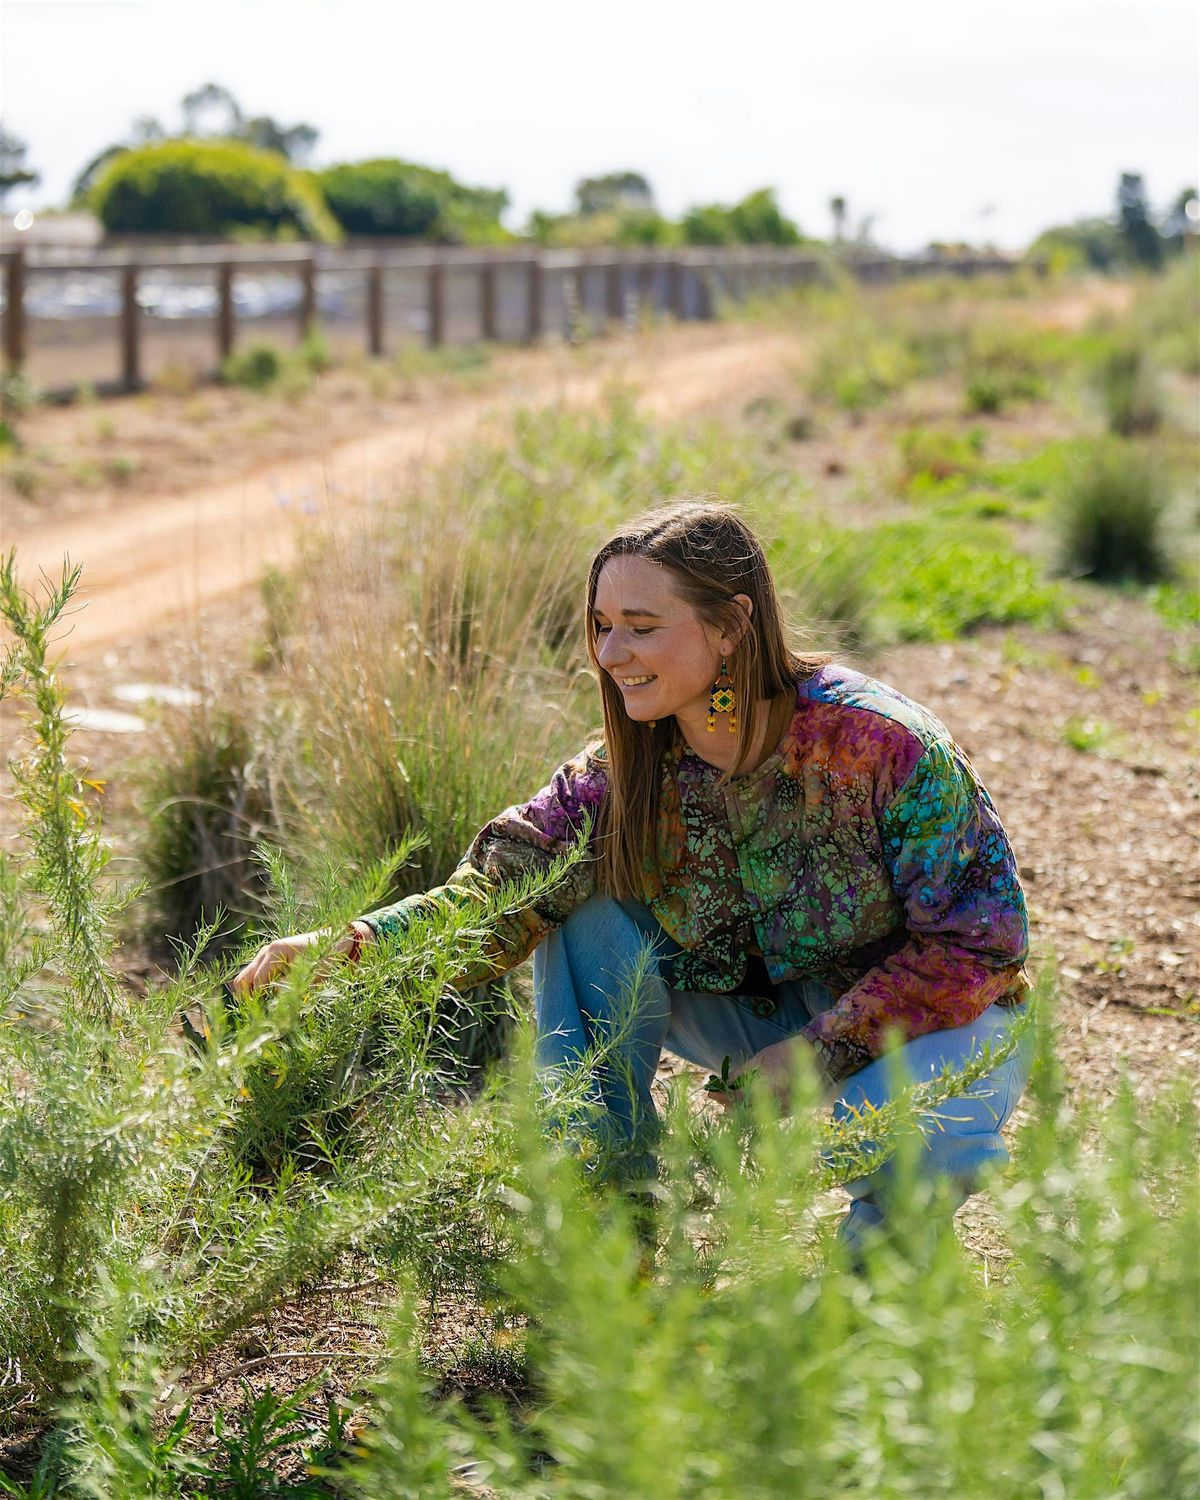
(808, 854)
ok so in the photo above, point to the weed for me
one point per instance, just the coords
(1090, 736)
(24, 478)
(122, 468)
(255, 368)
(18, 394)
(175, 378)
(855, 369)
(315, 352)
(931, 457)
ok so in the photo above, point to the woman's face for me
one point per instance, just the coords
(656, 648)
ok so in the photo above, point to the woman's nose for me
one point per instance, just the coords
(611, 651)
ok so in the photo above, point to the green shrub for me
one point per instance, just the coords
(257, 367)
(209, 188)
(756, 220)
(856, 368)
(1111, 514)
(751, 1367)
(387, 196)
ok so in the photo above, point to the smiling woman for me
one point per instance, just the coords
(783, 856)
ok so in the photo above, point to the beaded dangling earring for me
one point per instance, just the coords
(723, 700)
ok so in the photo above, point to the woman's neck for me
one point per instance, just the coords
(771, 717)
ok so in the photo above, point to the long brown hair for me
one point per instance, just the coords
(712, 556)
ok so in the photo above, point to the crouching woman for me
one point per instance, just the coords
(807, 855)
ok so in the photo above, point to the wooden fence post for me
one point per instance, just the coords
(375, 310)
(489, 321)
(614, 291)
(536, 298)
(224, 311)
(14, 309)
(308, 295)
(649, 287)
(130, 372)
(437, 304)
(677, 289)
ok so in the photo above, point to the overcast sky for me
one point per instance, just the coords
(946, 119)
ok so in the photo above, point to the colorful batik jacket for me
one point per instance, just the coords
(863, 853)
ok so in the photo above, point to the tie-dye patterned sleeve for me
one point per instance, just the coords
(951, 865)
(520, 841)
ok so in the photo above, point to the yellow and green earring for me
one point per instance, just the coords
(723, 700)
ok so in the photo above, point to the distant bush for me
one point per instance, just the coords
(388, 196)
(255, 368)
(1111, 517)
(211, 188)
(756, 220)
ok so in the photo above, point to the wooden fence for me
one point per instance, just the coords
(72, 321)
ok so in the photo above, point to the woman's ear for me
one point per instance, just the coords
(732, 638)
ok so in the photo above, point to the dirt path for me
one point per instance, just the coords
(160, 557)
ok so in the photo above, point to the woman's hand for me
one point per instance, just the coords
(274, 957)
(774, 1067)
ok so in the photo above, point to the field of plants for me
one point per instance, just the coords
(327, 1241)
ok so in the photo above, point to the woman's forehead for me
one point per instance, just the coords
(626, 584)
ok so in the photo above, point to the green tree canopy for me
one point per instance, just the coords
(13, 171)
(208, 188)
(615, 192)
(756, 220)
(388, 196)
(1142, 239)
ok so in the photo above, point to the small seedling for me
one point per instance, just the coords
(722, 1083)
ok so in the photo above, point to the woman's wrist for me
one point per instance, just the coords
(358, 935)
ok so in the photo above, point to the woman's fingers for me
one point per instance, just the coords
(267, 961)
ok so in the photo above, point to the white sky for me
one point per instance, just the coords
(924, 113)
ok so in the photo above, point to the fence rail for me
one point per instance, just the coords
(104, 318)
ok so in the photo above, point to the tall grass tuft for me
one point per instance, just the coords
(1111, 517)
(207, 801)
(1129, 387)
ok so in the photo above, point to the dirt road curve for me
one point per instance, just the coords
(159, 557)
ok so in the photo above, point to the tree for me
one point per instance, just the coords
(13, 171)
(209, 187)
(1182, 218)
(402, 199)
(616, 192)
(202, 101)
(756, 220)
(1142, 240)
(296, 142)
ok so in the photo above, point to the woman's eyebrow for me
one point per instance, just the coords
(630, 614)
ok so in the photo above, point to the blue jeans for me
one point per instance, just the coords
(581, 981)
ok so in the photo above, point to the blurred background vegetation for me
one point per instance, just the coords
(221, 172)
